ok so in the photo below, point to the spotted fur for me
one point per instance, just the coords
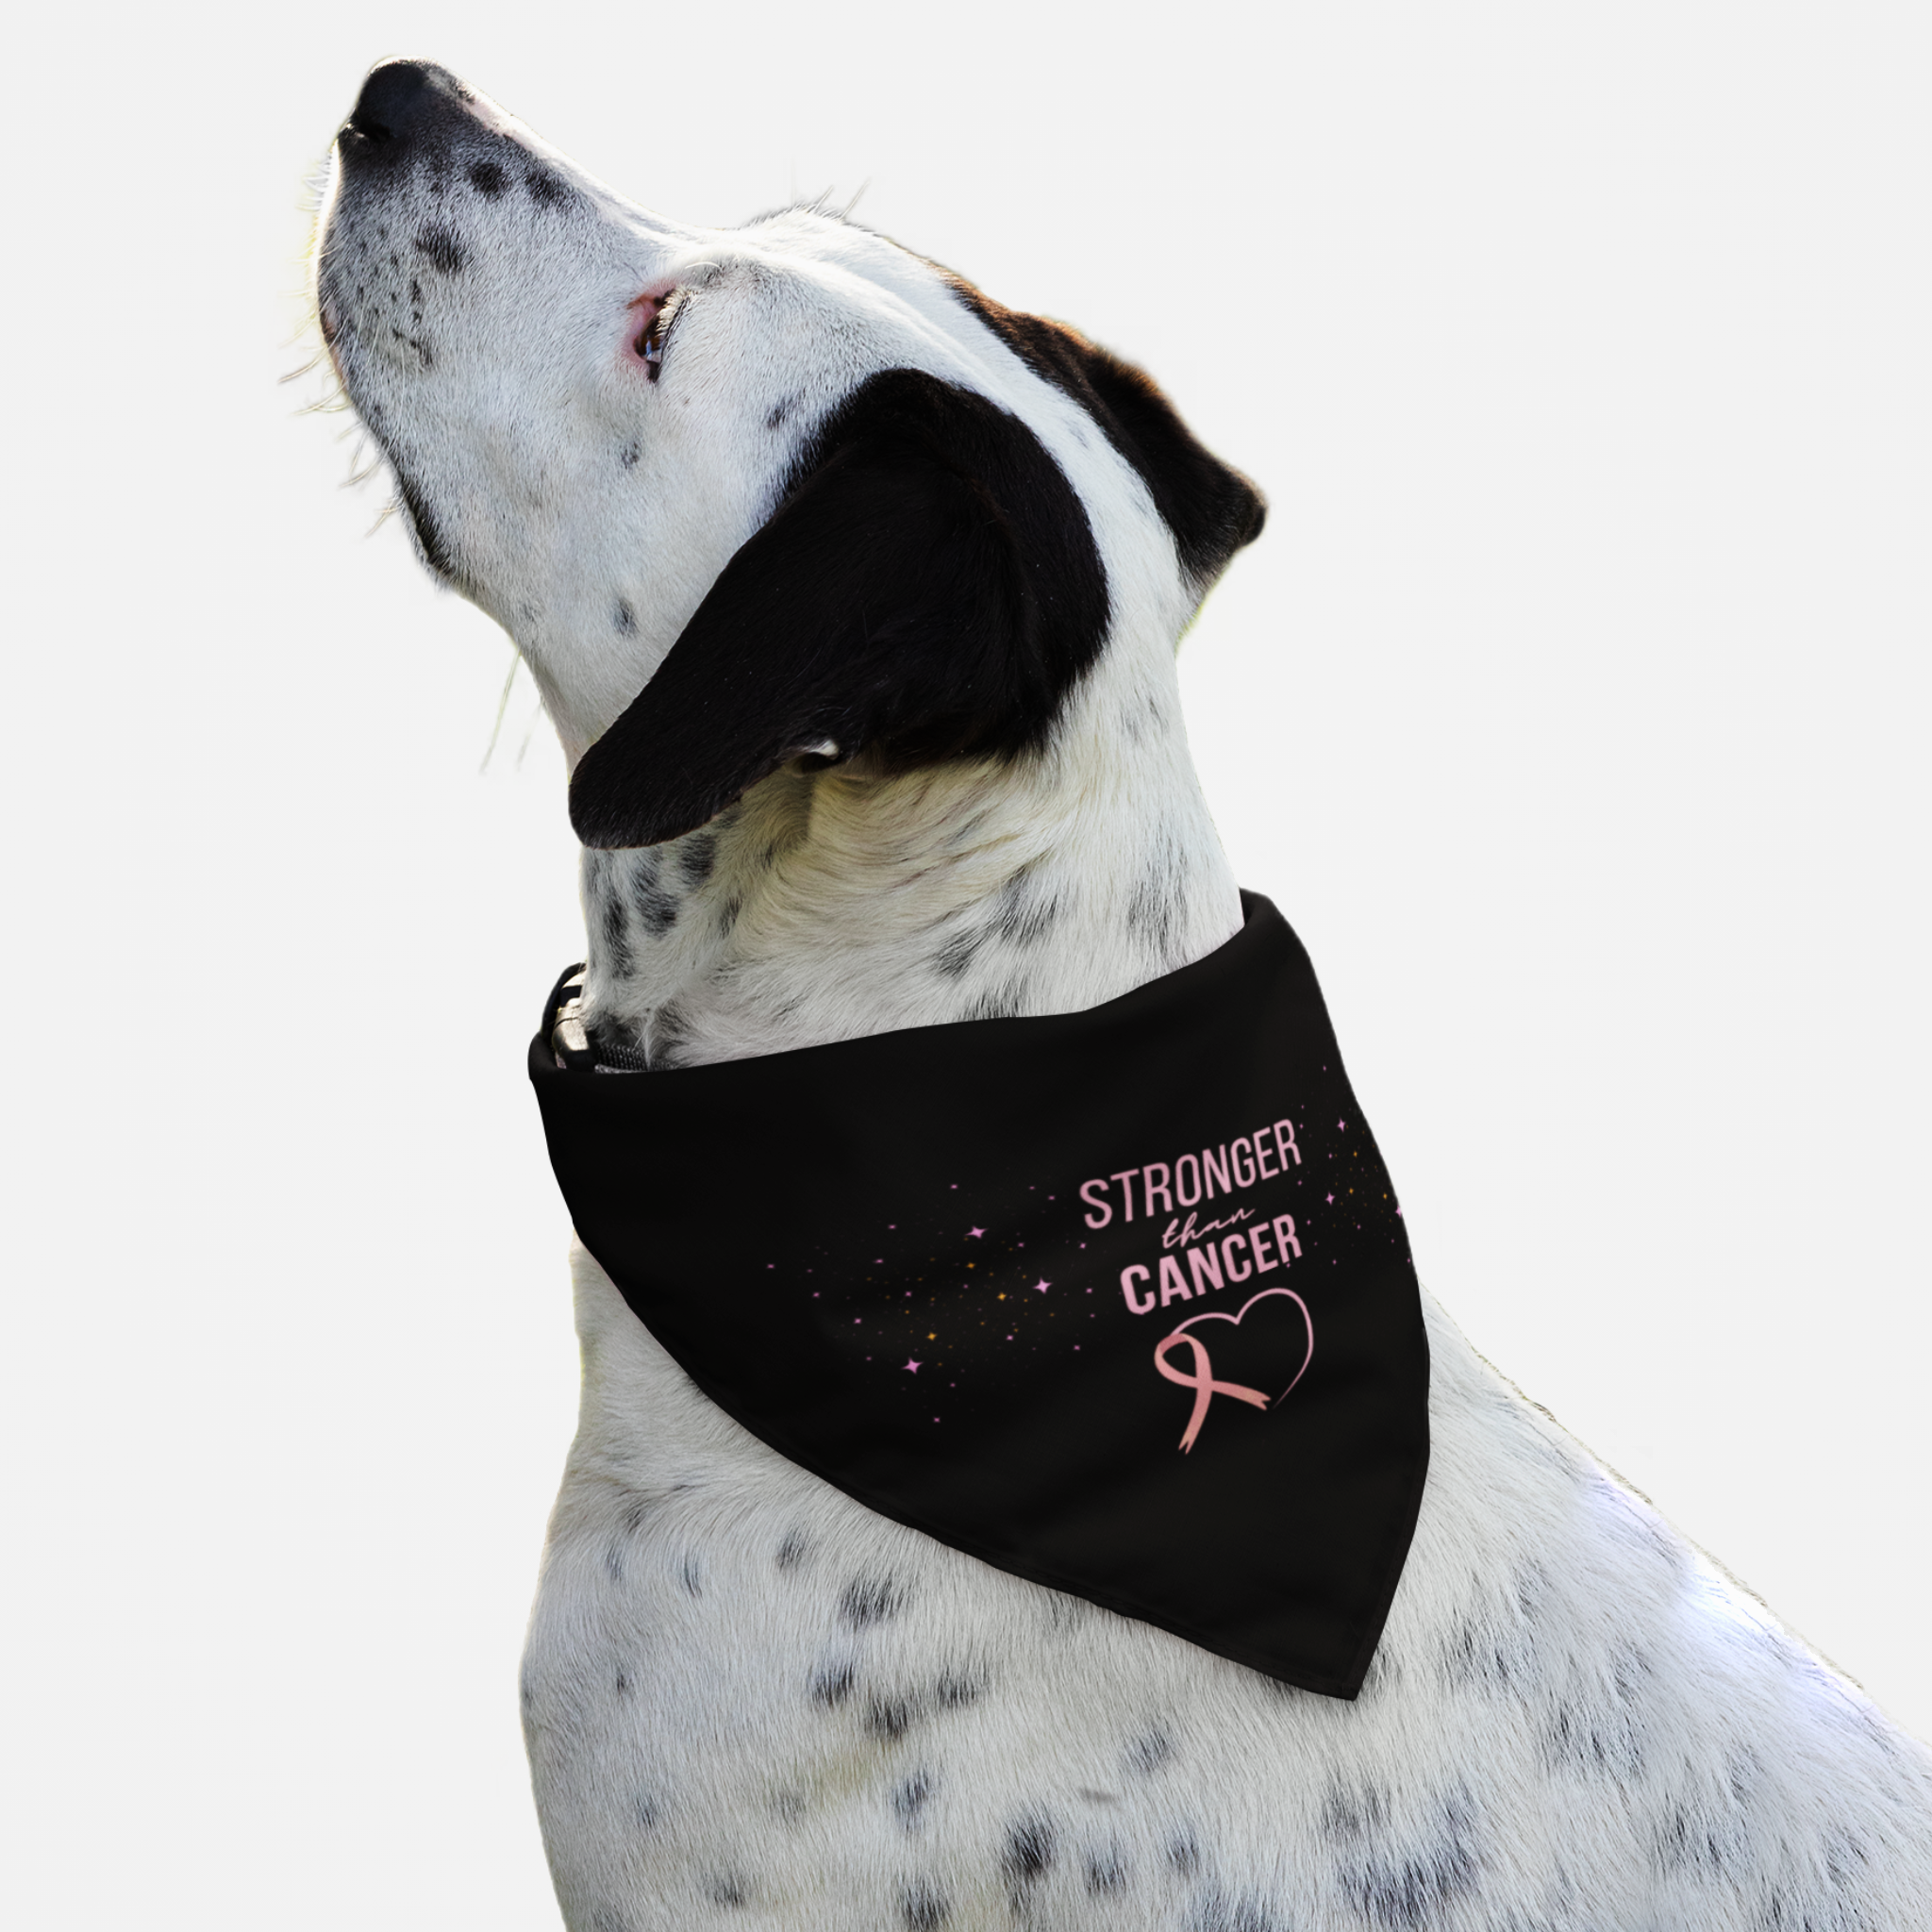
(748, 1700)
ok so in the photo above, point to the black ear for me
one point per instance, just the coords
(928, 587)
(1211, 509)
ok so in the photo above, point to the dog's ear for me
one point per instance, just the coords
(1211, 509)
(928, 587)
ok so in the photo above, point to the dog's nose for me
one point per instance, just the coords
(400, 96)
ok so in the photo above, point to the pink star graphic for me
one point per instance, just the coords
(1331, 1199)
(1343, 1124)
(913, 1368)
(1042, 1287)
(975, 1232)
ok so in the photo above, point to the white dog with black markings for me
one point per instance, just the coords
(921, 759)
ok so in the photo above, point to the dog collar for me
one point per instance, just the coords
(1120, 1301)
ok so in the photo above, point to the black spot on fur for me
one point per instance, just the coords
(613, 1562)
(621, 1682)
(1215, 1911)
(909, 1799)
(955, 1692)
(956, 628)
(657, 909)
(728, 913)
(924, 1906)
(1708, 1831)
(1184, 1852)
(443, 248)
(832, 1684)
(889, 1718)
(957, 954)
(488, 179)
(420, 348)
(1107, 1871)
(1409, 1893)
(1213, 509)
(626, 619)
(1494, 1647)
(689, 1577)
(1601, 1735)
(791, 1551)
(728, 1888)
(1028, 1853)
(647, 1811)
(416, 294)
(616, 933)
(548, 190)
(781, 413)
(629, 454)
(1155, 908)
(1149, 1753)
(696, 856)
(870, 1600)
(1022, 912)
(1351, 1815)
(1848, 1857)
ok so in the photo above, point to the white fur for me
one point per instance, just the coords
(748, 1700)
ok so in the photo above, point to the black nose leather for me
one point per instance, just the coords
(400, 96)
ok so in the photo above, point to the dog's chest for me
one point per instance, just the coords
(750, 1699)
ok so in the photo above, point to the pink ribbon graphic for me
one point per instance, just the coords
(1202, 1381)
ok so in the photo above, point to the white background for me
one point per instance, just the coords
(1572, 707)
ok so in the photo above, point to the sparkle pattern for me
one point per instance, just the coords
(974, 1305)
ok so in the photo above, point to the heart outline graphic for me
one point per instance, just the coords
(1202, 1381)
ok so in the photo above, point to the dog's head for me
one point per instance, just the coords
(749, 496)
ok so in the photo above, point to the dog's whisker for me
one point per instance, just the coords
(333, 404)
(314, 186)
(360, 470)
(502, 705)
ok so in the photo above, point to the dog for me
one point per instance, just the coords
(920, 762)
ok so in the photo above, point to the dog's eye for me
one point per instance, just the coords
(650, 345)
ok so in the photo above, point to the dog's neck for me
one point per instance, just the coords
(828, 905)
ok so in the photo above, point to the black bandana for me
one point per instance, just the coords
(1120, 1301)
